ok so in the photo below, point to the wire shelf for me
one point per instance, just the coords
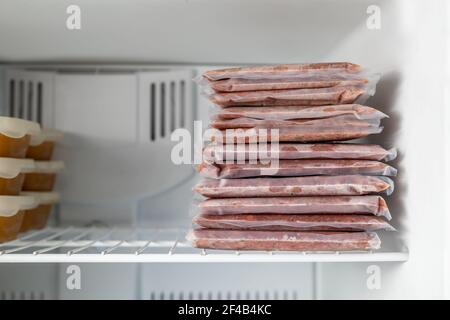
(121, 245)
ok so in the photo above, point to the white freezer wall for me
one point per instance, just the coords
(409, 49)
(419, 107)
(206, 32)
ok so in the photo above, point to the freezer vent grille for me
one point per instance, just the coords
(29, 95)
(22, 295)
(25, 100)
(165, 104)
(167, 108)
(228, 295)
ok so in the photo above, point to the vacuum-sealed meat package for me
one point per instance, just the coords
(351, 185)
(295, 168)
(357, 111)
(345, 122)
(217, 153)
(370, 204)
(291, 97)
(283, 240)
(293, 222)
(281, 71)
(301, 81)
(298, 133)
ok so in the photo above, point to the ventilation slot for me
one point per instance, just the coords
(182, 103)
(39, 104)
(20, 113)
(152, 112)
(12, 93)
(29, 113)
(172, 106)
(163, 109)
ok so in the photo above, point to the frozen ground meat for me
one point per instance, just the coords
(283, 240)
(217, 153)
(348, 185)
(293, 222)
(370, 204)
(294, 168)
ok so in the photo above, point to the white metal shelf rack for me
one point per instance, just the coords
(119, 245)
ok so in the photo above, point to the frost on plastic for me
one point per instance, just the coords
(283, 240)
(391, 154)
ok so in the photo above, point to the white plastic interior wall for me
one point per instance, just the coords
(182, 38)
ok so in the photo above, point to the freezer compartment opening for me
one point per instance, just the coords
(118, 121)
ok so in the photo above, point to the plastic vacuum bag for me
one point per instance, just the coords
(357, 111)
(217, 153)
(281, 71)
(295, 186)
(295, 168)
(294, 222)
(343, 121)
(283, 240)
(301, 81)
(294, 97)
(285, 77)
(294, 133)
(371, 204)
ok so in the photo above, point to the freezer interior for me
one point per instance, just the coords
(119, 88)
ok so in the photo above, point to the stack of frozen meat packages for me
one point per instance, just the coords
(280, 170)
